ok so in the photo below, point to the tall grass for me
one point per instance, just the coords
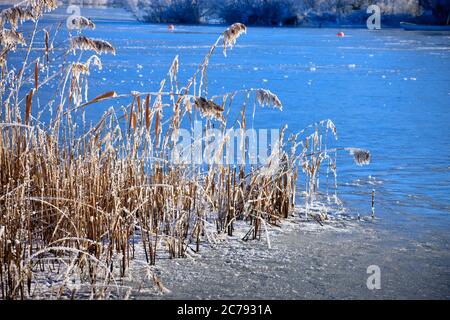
(75, 198)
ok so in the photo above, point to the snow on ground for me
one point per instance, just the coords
(305, 260)
(308, 262)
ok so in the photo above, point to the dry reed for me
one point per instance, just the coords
(85, 43)
(73, 201)
(81, 22)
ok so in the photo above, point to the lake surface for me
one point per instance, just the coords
(387, 91)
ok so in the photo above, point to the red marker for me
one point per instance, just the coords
(340, 34)
(171, 27)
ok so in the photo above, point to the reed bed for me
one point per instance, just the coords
(76, 199)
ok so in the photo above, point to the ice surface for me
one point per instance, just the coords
(386, 91)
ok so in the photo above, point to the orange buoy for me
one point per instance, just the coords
(340, 34)
(171, 27)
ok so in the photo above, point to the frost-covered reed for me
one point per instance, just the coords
(76, 200)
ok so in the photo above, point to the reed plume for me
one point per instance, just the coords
(267, 98)
(209, 108)
(15, 15)
(360, 156)
(85, 43)
(81, 22)
(79, 68)
(41, 6)
(231, 35)
(10, 39)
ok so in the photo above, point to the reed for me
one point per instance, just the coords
(75, 198)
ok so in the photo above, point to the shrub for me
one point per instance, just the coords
(173, 11)
(259, 12)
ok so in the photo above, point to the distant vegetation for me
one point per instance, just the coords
(173, 11)
(291, 12)
(270, 12)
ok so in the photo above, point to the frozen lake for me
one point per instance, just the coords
(387, 91)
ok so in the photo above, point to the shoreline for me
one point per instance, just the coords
(124, 15)
(302, 260)
(308, 261)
